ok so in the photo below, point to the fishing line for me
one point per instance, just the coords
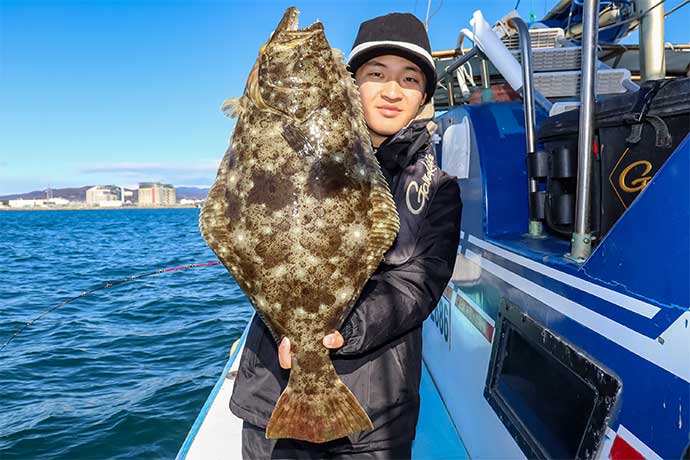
(105, 286)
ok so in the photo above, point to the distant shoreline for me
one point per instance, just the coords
(97, 208)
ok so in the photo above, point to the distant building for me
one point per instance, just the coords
(56, 202)
(187, 202)
(22, 203)
(37, 203)
(128, 196)
(104, 196)
(155, 193)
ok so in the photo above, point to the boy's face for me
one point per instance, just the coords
(392, 91)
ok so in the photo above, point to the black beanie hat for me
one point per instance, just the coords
(400, 34)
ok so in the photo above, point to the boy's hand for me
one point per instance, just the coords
(333, 341)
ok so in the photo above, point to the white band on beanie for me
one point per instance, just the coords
(418, 50)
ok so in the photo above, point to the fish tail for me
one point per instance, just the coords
(316, 413)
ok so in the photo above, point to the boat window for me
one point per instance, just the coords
(456, 147)
(552, 398)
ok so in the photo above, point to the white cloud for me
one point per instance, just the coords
(201, 173)
(153, 168)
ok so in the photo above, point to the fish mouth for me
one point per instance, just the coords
(288, 27)
(285, 45)
(290, 21)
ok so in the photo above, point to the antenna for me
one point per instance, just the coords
(426, 20)
(429, 17)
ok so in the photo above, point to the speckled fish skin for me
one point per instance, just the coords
(301, 216)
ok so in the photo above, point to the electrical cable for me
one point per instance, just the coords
(677, 7)
(637, 18)
(436, 10)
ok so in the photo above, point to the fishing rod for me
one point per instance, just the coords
(105, 286)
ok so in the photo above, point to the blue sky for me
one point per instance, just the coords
(102, 92)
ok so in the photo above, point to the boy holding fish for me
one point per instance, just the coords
(377, 351)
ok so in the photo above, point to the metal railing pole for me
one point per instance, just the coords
(581, 242)
(448, 71)
(652, 49)
(535, 225)
(487, 93)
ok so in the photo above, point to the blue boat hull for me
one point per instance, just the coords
(625, 310)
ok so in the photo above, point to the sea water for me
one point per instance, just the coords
(123, 372)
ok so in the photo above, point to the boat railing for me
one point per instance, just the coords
(535, 220)
(581, 241)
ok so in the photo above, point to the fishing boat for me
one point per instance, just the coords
(565, 329)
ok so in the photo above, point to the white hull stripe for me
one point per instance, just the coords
(476, 307)
(671, 355)
(621, 300)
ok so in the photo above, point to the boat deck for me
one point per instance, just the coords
(217, 434)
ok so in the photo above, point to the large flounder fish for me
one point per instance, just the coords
(301, 215)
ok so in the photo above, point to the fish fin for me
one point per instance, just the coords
(231, 107)
(350, 86)
(316, 416)
(385, 221)
(297, 140)
(213, 221)
(384, 214)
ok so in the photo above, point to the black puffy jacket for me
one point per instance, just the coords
(382, 356)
